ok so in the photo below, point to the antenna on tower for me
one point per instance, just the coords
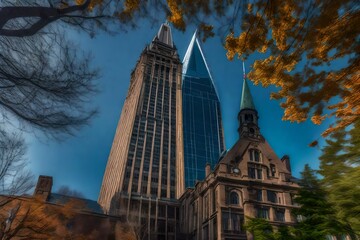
(244, 70)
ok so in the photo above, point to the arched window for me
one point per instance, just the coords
(234, 198)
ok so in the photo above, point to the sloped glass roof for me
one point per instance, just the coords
(194, 63)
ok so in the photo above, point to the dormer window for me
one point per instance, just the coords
(255, 155)
(272, 170)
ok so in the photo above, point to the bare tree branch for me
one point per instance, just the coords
(46, 15)
(14, 178)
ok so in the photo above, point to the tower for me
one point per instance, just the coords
(144, 173)
(248, 116)
(203, 132)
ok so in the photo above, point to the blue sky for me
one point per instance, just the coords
(79, 161)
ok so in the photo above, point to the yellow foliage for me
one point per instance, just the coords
(317, 119)
(31, 218)
(301, 42)
(80, 2)
(176, 15)
(132, 5)
(296, 32)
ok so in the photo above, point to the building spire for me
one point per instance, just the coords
(164, 35)
(194, 63)
(248, 116)
(246, 98)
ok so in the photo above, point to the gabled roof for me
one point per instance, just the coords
(242, 145)
(238, 149)
(164, 35)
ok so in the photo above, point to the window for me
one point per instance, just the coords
(206, 207)
(271, 196)
(206, 232)
(144, 189)
(249, 118)
(255, 155)
(144, 209)
(171, 212)
(225, 221)
(255, 171)
(161, 226)
(163, 193)
(236, 223)
(259, 195)
(232, 222)
(300, 218)
(170, 227)
(162, 211)
(262, 212)
(272, 170)
(280, 215)
(215, 228)
(251, 173)
(234, 198)
(194, 215)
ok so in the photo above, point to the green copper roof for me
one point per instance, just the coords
(246, 98)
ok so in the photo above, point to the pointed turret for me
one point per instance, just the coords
(164, 35)
(163, 42)
(248, 116)
(246, 98)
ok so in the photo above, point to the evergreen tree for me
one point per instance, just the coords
(259, 228)
(318, 213)
(340, 167)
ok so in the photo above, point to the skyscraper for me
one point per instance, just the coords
(144, 173)
(202, 123)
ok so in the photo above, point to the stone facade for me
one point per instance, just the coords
(218, 206)
(145, 174)
(250, 180)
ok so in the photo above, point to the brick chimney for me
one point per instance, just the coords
(43, 187)
(286, 160)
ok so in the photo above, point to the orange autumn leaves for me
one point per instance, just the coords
(310, 49)
(302, 44)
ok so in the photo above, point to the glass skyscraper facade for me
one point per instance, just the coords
(202, 123)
